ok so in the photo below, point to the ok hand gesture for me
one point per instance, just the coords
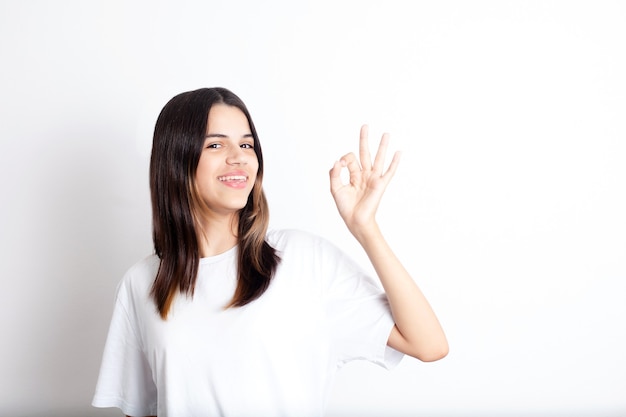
(358, 200)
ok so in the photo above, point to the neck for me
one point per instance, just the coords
(218, 235)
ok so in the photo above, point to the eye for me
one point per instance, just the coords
(247, 146)
(213, 146)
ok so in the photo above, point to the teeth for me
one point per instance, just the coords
(233, 178)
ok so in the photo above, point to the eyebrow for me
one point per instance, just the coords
(221, 135)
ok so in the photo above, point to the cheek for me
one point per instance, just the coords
(203, 178)
(205, 167)
(256, 170)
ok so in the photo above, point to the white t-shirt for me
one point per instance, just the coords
(276, 356)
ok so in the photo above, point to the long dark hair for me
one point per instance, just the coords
(177, 144)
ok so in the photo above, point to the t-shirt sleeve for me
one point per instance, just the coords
(358, 311)
(125, 379)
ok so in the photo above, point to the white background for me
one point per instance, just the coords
(508, 208)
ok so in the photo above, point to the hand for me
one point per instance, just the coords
(358, 200)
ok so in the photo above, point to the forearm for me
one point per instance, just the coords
(419, 333)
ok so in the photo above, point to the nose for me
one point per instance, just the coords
(236, 156)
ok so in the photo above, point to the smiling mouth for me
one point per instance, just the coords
(233, 178)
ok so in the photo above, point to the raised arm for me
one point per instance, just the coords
(417, 331)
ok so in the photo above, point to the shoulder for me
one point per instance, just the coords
(283, 239)
(138, 278)
(303, 247)
(281, 236)
(144, 269)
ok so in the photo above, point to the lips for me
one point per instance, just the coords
(233, 178)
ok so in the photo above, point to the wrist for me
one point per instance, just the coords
(366, 233)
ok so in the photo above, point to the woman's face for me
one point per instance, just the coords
(228, 165)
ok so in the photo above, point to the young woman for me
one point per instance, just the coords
(228, 319)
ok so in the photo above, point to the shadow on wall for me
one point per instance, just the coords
(87, 220)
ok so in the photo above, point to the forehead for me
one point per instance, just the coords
(223, 118)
